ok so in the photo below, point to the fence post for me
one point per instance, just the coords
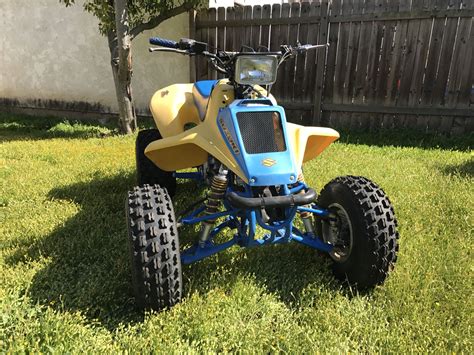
(192, 35)
(320, 63)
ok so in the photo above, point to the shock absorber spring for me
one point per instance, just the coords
(305, 216)
(218, 188)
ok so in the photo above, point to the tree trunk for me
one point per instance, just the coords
(121, 61)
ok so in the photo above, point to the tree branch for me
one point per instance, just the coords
(155, 21)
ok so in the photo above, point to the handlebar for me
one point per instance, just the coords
(192, 47)
(168, 43)
(223, 61)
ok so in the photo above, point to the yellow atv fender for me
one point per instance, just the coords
(174, 110)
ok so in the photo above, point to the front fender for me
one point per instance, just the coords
(191, 148)
(183, 150)
(309, 142)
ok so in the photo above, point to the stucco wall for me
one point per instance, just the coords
(49, 52)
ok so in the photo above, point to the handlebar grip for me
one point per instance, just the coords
(157, 41)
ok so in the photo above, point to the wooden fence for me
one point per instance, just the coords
(390, 63)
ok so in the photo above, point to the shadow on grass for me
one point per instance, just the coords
(408, 138)
(22, 127)
(464, 170)
(89, 267)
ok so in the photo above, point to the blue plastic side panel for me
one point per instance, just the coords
(276, 168)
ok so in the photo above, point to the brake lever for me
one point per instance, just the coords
(307, 47)
(217, 67)
(171, 50)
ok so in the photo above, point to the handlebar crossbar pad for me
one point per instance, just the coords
(157, 41)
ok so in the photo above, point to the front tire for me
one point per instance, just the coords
(362, 228)
(154, 248)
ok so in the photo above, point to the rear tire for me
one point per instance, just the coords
(147, 171)
(154, 248)
(363, 230)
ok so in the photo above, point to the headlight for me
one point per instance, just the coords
(256, 69)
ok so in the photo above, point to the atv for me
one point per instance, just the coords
(232, 136)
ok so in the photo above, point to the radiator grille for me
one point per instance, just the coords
(261, 132)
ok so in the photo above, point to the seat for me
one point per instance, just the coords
(201, 93)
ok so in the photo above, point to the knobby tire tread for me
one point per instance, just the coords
(155, 255)
(375, 218)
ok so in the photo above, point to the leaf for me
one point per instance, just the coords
(139, 11)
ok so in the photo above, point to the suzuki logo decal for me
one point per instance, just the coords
(227, 134)
(268, 162)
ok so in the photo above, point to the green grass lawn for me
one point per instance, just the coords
(65, 284)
